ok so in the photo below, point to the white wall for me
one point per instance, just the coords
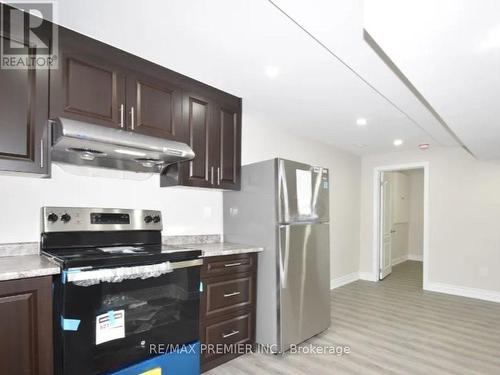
(399, 213)
(464, 217)
(416, 214)
(264, 141)
(185, 210)
(407, 240)
(399, 243)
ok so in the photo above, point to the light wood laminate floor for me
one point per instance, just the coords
(394, 327)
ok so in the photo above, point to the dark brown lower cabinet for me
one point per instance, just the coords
(227, 311)
(26, 326)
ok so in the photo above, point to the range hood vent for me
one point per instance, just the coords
(80, 143)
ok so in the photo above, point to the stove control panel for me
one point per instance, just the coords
(75, 219)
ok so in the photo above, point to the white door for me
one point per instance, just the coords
(385, 225)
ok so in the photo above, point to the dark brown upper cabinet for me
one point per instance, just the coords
(87, 86)
(99, 84)
(213, 130)
(105, 86)
(198, 114)
(228, 145)
(24, 95)
(154, 106)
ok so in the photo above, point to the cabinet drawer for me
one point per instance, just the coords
(223, 265)
(233, 331)
(223, 296)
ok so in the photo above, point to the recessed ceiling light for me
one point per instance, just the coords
(361, 121)
(397, 142)
(272, 71)
(360, 145)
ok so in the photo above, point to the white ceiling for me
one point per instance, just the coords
(229, 44)
(450, 51)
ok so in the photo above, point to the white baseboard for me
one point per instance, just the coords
(399, 260)
(404, 258)
(483, 294)
(343, 280)
(416, 257)
(368, 276)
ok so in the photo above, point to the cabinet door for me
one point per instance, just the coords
(227, 129)
(155, 107)
(87, 86)
(24, 97)
(198, 115)
(26, 326)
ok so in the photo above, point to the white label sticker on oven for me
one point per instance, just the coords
(109, 326)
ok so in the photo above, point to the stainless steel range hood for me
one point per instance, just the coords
(79, 143)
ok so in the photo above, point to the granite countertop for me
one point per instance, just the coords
(24, 266)
(223, 248)
(22, 260)
(210, 244)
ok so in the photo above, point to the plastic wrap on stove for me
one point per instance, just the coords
(116, 275)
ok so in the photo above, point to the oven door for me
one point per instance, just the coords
(108, 325)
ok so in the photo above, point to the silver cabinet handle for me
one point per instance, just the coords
(226, 335)
(132, 118)
(42, 161)
(212, 175)
(122, 115)
(232, 264)
(226, 295)
(218, 175)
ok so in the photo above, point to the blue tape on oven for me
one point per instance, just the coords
(66, 272)
(69, 324)
(111, 317)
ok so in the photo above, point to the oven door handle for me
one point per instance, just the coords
(186, 264)
(115, 275)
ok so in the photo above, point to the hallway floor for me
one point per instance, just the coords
(394, 327)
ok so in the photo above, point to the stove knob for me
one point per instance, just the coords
(148, 219)
(65, 218)
(156, 219)
(52, 217)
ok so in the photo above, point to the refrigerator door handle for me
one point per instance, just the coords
(284, 252)
(283, 188)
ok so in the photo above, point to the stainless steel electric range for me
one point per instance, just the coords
(120, 290)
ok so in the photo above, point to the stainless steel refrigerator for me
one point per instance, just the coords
(284, 206)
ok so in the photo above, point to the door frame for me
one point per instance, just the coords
(377, 209)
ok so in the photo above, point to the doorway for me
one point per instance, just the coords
(401, 219)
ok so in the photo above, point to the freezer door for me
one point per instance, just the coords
(304, 282)
(302, 192)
